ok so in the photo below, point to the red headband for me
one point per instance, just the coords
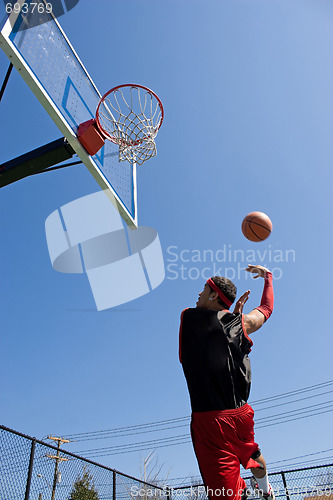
(219, 292)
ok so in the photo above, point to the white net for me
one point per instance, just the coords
(130, 116)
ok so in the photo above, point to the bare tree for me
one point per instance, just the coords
(153, 484)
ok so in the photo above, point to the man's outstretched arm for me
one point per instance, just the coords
(256, 318)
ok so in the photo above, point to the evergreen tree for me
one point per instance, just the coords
(84, 488)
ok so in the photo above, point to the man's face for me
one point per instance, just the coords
(203, 300)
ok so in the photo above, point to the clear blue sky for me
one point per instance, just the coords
(247, 87)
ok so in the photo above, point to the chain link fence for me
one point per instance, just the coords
(310, 483)
(33, 470)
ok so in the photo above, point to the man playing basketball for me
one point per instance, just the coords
(213, 347)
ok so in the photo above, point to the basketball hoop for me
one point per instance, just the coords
(130, 115)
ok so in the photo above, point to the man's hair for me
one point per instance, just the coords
(227, 287)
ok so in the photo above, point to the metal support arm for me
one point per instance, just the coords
(35, 161)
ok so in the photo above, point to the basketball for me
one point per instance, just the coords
(257, 226)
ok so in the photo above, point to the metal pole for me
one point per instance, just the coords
(6, 80)
(56, 471)
(285, 485)
(31, 464)
(114, 489)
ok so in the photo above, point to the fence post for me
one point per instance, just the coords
(114, 485)
(285, 485)
(31, 464)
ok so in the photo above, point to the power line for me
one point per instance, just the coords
(131, 427)
(114, 434)
(305, 463)
(173, 423)
(299, 456)
(292, 419)
(305, 409)
(160, 425)
(121, 432)
(137, 448)
(297, 391)
(291, 402)
(174, 440)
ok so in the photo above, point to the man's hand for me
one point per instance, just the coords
(260, 270)
(240, 302)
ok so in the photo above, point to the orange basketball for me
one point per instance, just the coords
(257, 226)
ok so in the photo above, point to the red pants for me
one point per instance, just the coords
(222, 441)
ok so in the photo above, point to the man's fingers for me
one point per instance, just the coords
(244, 297)
(253, 270)
(241, 301)
(260, 270)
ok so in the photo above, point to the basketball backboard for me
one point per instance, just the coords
(37, 46)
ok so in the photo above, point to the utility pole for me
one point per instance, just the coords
(57, 459)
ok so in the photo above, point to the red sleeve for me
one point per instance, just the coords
(267, 299)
